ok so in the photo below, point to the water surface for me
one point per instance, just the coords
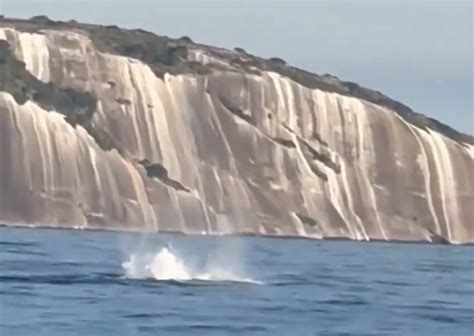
(60, 282)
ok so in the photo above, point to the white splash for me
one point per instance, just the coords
(165, 265)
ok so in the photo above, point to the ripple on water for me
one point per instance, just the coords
(309, 289)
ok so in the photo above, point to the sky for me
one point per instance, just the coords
(417, 52)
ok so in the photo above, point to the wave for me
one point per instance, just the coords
(165, 266)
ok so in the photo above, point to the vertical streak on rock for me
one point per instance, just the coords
(441, 178)
(132, 108)
(39, 137)
(363, 164)
(353, 112)
(449, 184)
(23, 152)
(141, 196)
(35, 54)
(426, 174)
(143, 92)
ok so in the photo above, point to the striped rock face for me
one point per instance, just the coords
(221, 153)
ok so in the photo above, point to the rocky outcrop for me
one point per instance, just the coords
(111, 128)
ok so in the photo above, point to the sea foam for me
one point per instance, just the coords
(165, 265)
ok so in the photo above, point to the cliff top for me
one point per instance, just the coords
(177, 56)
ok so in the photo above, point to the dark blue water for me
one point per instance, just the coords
(59, 282)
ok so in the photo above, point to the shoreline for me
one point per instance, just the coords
(226, 235)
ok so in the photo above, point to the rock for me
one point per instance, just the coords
(154, 133)
(278, 61)
(185, 39)
(42, 19)
(240, 50)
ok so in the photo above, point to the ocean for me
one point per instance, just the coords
(70, 282)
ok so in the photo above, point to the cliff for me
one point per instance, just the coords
(102, 127)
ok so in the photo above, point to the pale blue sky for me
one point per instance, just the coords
(418, 52)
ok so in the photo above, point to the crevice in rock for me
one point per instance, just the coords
(436, 238)
(323, 176)
(123, 101)
(313, 164)
(236, 111)
(433, 236)
(307, 220)
(156, 170)
(284, 142)
(323, 157)
(104, 140)
(316, 136)
(77, 106)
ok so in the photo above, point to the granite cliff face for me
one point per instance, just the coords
(108, 128)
